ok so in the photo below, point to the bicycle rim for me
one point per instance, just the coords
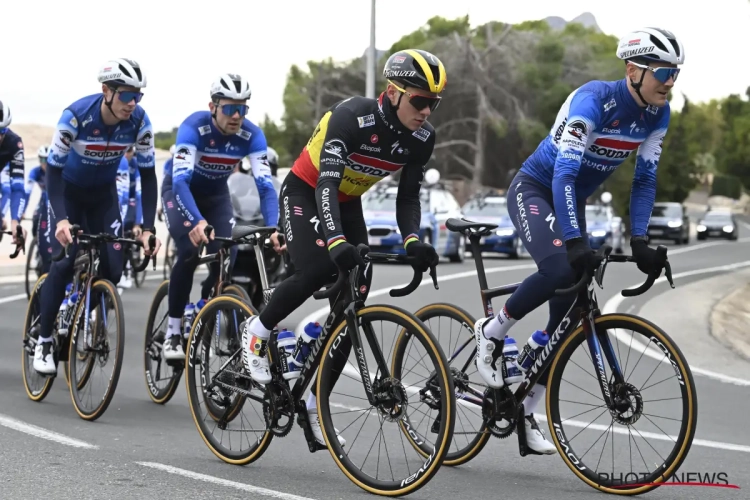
(37, 386)
(97, 350)
(152, 352)
(259, 437)
(421, 470)
(646, 385)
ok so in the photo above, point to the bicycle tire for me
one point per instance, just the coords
(158, 396)
(168, 258)
(687, 432)
(107, 287)
(414, 481)
(260, 445)
(238, 291)
(475, 446)
(34, 393)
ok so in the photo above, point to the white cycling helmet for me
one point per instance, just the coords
(43, 152)
(122, 72)
(171, 149)
(230, 86)
(654, 44)
(5, 116)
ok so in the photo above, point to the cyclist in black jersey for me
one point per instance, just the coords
(357, 142)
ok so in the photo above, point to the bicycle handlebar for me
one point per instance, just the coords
(21, 246)
(377, 257)
(603, 256)
(107, 238)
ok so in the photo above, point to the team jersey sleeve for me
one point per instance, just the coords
(583, 118)
(182, 170)
(4, 190)
(338, 142)
(269, 202)
(33, 178)
(65, 133)
(408, 204)
(146, 159)
(17, 181)
(643, 192)
(144, 146)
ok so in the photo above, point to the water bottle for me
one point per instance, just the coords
(286, 341)
(187, 319)
(304, 345)
(532, 350)
(511, 373)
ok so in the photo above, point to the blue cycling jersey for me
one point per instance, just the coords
(205, 158)
(4, 192)
(36, 176)
(129, 190)
(597, 128)
(12, 161)
(168, 167)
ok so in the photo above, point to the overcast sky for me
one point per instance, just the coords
(53, 50)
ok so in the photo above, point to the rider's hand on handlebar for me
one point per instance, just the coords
(424, 255)
(144, 237)
(198, 235)
(645, 257)
(346, 256)
(13, 228)
(137, 231)
(580, 256)
(62, 232)
(276, 245)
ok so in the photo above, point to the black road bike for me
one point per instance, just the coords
(625, 396)
(387, 390)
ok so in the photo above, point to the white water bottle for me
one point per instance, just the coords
(511, 373)
(187, 319)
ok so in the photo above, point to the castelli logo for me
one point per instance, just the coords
(212, 143)
(320, 243)
(186, 223)
(557, 243)
(117, 246)
(615, 123)
(363, 289)
(374, 139)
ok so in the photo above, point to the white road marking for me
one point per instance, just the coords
(12, 298)
(223, 482)
(33, 430)
(613, 304)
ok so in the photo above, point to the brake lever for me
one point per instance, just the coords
(668, 273)
(599, 277)
(433, 275)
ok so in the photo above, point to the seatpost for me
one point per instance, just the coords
(477, 254)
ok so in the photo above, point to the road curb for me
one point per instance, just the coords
(730, 320)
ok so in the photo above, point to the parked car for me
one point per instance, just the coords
(603, 227)
(718, 224)
(492, 208)
(669, 221)
(438, 205)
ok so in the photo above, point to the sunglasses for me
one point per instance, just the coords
(3, 131)
(231, 109)
(662, 74)
(420, 101)
(128, 95)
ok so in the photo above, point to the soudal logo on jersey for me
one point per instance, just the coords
(612, 148)
(104, 151)
(217, 163)
(374, 167)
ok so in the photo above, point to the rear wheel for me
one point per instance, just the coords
(37, 386)
(162, 379)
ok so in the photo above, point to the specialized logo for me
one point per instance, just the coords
(551, 219)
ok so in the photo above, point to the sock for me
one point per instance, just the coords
(499, 326)
(257, 329)
(534, 397)
(312, 402)
(174, 327)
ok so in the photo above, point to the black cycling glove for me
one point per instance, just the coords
(424, 255)
(580, 256)
(645, 256)
(346, 256)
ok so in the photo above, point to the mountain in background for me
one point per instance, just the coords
(587, 19)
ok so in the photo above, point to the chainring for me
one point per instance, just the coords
(500, 405)
(278, 407)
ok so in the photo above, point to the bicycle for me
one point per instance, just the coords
(502, 409)
(33, 265)
(341, 335)
(80, 329)
(132, 261)
(156, 330)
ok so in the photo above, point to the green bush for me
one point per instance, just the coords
(727, 185)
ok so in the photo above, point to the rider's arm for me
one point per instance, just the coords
(17, 190)
(65, 133)
(408, 204)
(269, 202)
(583, 117)
(339, 141)
(145, 153)
(4, 191)
(138, 201)
(182, 170)
(643, 192)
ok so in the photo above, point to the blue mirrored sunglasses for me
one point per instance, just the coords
(662, 74)
(3, 131)
(231, 109)
(128, 95)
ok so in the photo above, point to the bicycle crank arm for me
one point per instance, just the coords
(304, 422)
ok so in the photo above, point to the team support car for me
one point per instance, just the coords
(438, 205)
(603, 227)
(492, 208)
(669, 221)
(718, 224)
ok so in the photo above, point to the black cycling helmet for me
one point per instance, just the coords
(416, 68)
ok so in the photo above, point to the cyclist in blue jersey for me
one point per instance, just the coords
(12, 160)
(195, 192)
(129, 192)
(4, 194)
(92, 135)
(598, 127)
(40, 226)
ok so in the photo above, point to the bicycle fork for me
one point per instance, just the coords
(600, 347)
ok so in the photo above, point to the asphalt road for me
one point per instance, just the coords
(142, 450)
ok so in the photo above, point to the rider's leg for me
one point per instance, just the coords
(43, 236)
(104, 217)
(219, 214)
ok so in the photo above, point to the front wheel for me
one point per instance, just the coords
(400, 401)
(37, 386)
(162, 379)
(655, 413)
(33, 266)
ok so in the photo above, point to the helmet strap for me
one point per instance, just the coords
(216, 120)
(637, 87)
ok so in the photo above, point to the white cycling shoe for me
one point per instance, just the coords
(489, 351)
(535, 439)
(256, 363)
(312, 415)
